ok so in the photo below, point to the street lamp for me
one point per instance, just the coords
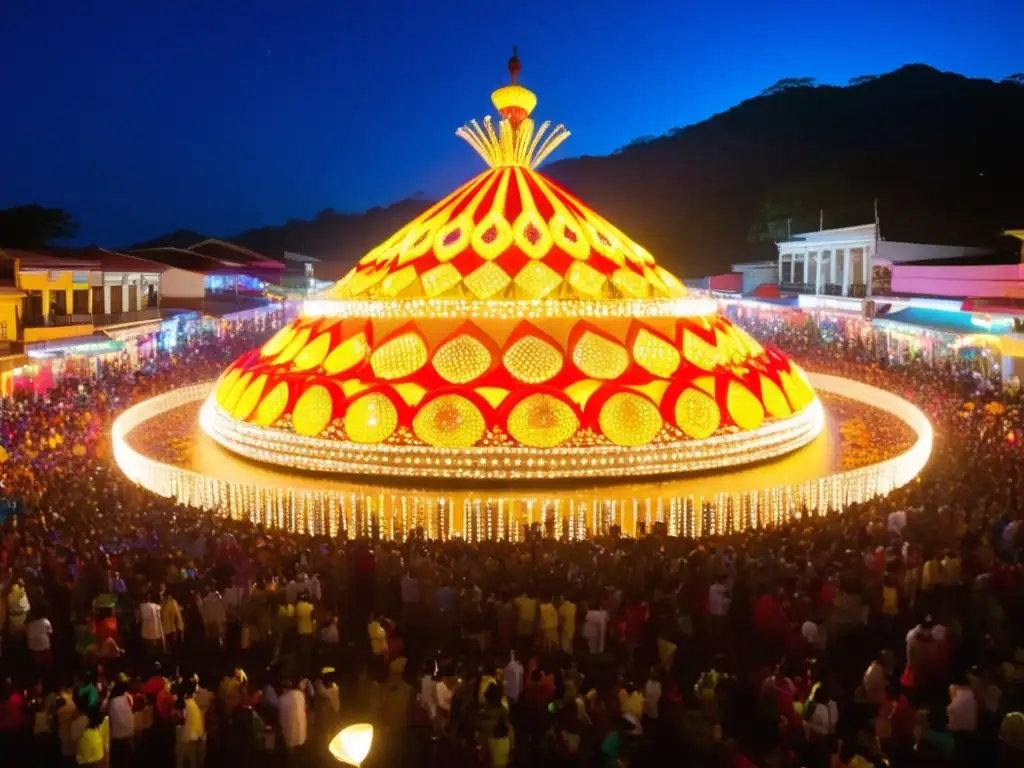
(352, 744)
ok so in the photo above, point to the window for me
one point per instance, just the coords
(33, 307)
(80, 302)
(98, 307)
(58, 303)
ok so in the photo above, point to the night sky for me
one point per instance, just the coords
(219, 115)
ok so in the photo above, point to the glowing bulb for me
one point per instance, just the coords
(352, 744)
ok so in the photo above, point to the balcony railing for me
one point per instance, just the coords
(10, 347)
(857, 290)
(115, 318)
(56, 321)
(796, 287)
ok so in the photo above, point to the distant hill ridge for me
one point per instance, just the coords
(942, 153)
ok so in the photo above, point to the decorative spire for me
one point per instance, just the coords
(513, 65)
(517, 141)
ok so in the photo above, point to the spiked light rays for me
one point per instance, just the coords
(527, 146)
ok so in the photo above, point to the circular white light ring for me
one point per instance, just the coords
(540, 309)
(311, 454)
(332, 512)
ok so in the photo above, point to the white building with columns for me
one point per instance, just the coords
(851, 261)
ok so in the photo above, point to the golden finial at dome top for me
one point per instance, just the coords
(514, 102)
(516, 142)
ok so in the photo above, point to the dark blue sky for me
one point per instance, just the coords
(219, 115)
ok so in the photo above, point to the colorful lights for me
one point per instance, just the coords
(542, 421)
(510, 317)
(319, 510)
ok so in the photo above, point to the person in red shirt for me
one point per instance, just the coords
(11, 718)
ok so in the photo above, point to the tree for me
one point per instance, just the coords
(34, 226)
(788, 83)
(861, 79)
(1016, 78)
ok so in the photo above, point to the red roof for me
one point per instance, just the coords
(232, 254)
(54, 260)
(766, 291)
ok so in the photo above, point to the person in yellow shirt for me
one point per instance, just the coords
(305, 625)
(526, 616)
(191, 743)
(890, 597)
(567, 624)
(931, 573)
(92, 745)
(500, 744)
(631, 701)
(173, 621)
(548, 625)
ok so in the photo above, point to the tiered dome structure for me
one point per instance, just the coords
(511, 332)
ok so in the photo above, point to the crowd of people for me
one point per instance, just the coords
(139, 632)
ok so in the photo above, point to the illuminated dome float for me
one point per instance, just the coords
(510, 332)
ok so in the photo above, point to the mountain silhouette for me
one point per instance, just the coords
(941, 153)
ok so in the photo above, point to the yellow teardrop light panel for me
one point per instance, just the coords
(225, 385)
(462, 359)
(278, 341)
(371, 419)
(313, 353)
(796, 388)
(532, 360)
(346, 355)
(628, 419)
(449, 421)
(399, 357)
(598, 357)
(313, 411)
(697, 413)
(232, 397)
(293, 348)
(774, 401)
(746, 410)
(542, 421)
(247, 402)
(705, 356)
(654, 354)
(273, 406)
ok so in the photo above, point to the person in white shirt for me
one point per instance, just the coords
(122, 724)
(594, 629)
(443, 694)
(514, 674)
(37, 634)
(962, 710)
(215, 616)
(718, 598)
(315, 589)
(152, 626)
(897, 521)
(427, 697)
(291, 710)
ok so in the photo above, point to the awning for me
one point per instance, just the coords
(954, 323)
(84, 346)
(993, 306)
